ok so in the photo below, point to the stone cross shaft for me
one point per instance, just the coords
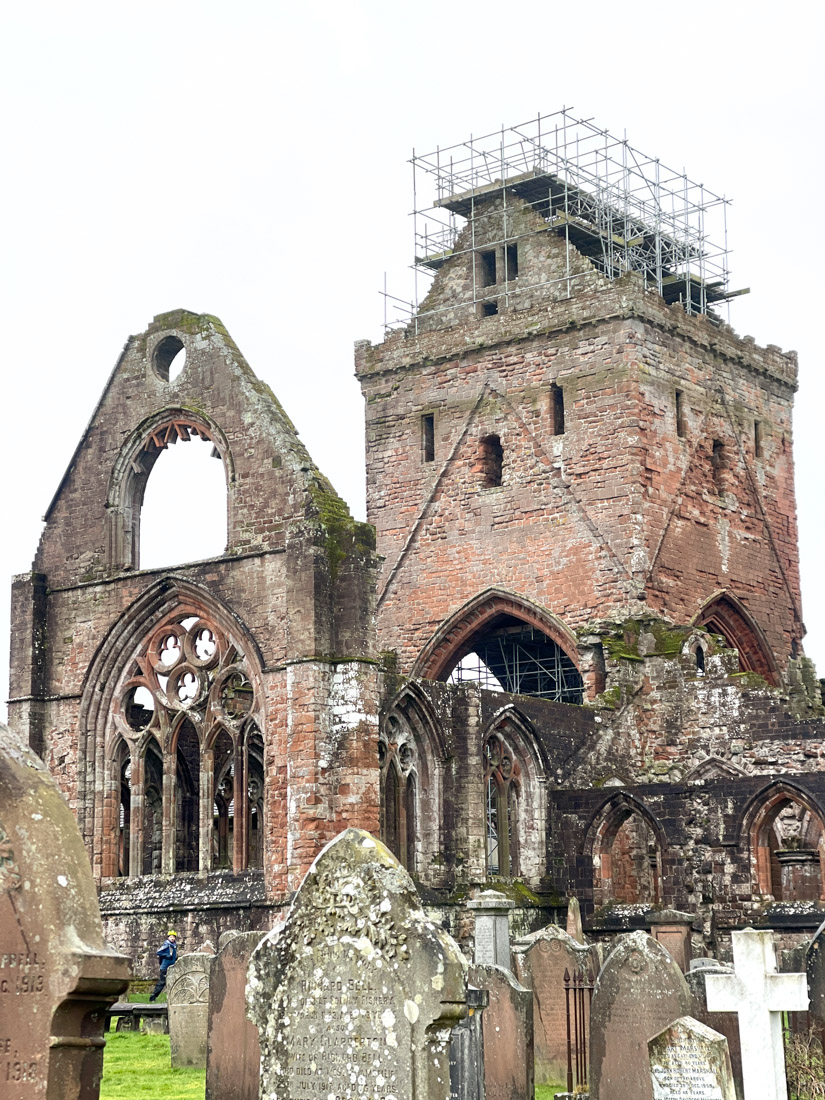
(759, 995)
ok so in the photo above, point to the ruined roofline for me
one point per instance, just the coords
(623, 299)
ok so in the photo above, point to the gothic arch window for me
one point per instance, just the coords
(505, 643)
(726, 615)
(130, 475)
(399, 790)
(502, 780)
(787, 843)
(186, 710)
(627, 857)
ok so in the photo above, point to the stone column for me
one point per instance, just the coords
(136, 839)
(801, 874)
(492, 929)
(170, 801)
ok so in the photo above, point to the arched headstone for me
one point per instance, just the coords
(57, 976)
(187, 994)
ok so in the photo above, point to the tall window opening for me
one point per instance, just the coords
(399, 791)
(487, 267)
(627, 860)
(491, 460)
(187, 800)
(501, 781)
(513, 656)
(557, 409)
(196, 679)
(183, 513)
(757, 439)
(511, 252)
(428, 437)
(680, 415)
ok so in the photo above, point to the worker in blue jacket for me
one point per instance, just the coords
(167, 954)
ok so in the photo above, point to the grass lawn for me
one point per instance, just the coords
(136, 1067)
(547, 1092)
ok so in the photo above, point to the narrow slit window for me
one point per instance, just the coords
(492, 460)
(511, 251)
(487, 264)
(757, 438)
(428, 437)
(719, 464)
(680, 415)
(557, 409)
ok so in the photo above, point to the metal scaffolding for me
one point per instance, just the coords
(622, 210)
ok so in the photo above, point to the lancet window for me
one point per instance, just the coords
(189, 761)
(399, 791)
(502, 782)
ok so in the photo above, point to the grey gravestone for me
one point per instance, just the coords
(233, 1053)
(57, 976)
(357, 994)
(492, 929)
(690, 1061)
(639, 991)
(725, 1023)
(574, 920)
(187, 995)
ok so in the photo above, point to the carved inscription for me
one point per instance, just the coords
(24, 1015)
(684, 1072)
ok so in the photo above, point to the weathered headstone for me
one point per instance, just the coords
(467, 1049)
(723, 1022)
(492, 928)
(357, 994)
(57, 976)
(574, 920)
(690, 1061)
(233, 1052)
(639, 991)
(507, 1027)
(672, 929)
(187, 996)
(540, 962)
(758, 995)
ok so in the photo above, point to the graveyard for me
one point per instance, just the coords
(514, 790)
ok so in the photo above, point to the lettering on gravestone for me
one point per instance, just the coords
(356, 995)
(690, 1061)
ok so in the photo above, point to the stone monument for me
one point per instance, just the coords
(491, 911)
(357, 994)
(815, 968)
(639, 991)
(507, 1032)
(57, 976)
(540, 962)
(690, 1061)
(725, 1023)
(759, 996)
(233, 1053)
(187, 995)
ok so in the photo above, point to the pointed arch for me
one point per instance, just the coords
(130, 654)
(133, 465)
(515, 776)
(411, 743)
(784, 828)
(724, 613)
(625, 845)
(714, 767)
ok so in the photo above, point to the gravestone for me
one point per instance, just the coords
(723, 1022)
(57, 976)
(672, 929)
(507, 1031)
(492, 928)
(233, 1052)
(187, 997)
(758, 995)
(540, 961)
(689, 1061)
(467, 1049)
(357, 994)
(574, 920)
(640, 991)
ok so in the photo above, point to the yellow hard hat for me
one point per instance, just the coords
(172, 932)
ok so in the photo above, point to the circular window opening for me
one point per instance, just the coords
(169, 358)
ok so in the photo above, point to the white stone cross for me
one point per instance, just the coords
(759, 995)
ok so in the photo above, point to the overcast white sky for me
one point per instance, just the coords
(250, 160)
